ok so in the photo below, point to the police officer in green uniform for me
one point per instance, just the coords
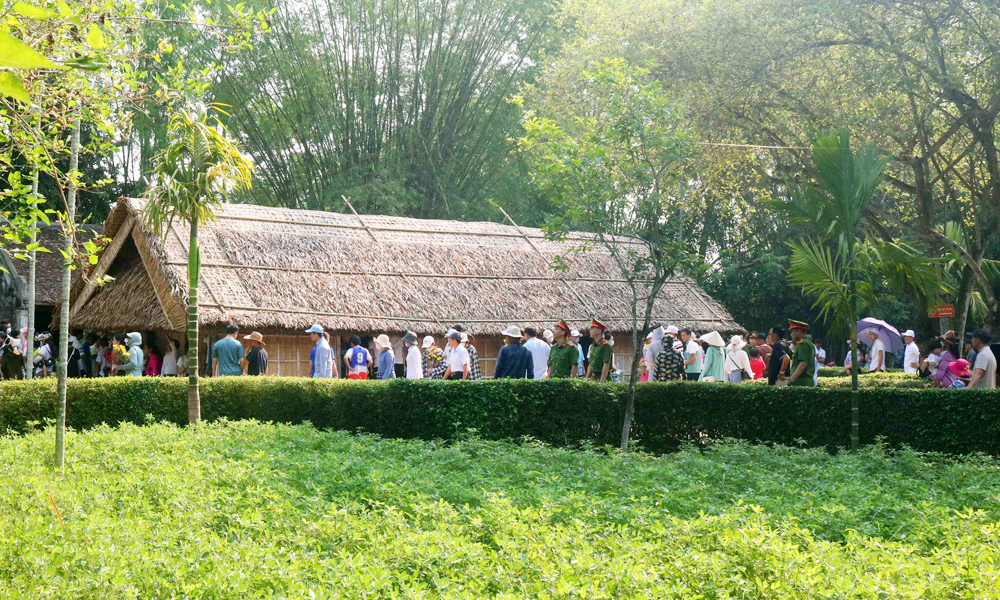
(563, 356)
(803, 365)
(600, 353)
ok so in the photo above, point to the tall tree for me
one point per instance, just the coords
(192, 177)
(838, 264)
(401, 105)
(918, 79)
(615, 167)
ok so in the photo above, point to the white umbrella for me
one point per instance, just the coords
(887, 333)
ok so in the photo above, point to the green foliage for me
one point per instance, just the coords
(192, 177)
(566, 412)
(401, 106)
(199, 168)
(837, 378)
(615, 166)
(245, 510)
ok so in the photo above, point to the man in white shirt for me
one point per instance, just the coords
(169, 368)
(820, 353)
(877, 362)
(458, 358)
(693, 356)
(911, 357)
(984, 372)
(539, 352)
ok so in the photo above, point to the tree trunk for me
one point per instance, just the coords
(962, 304)
(29, 339)
(633, 380)
(855, 367)
(632, 383)
(194, 268)
(74, 162)
(926, 328)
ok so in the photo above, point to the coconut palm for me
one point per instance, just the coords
(840, 264)
(191, 179)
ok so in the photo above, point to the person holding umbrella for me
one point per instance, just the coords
(884, 339)
(877, 362)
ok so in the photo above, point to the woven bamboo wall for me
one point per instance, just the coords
(288, 355)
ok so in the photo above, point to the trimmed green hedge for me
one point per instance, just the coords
(842, 372)
(560, 412)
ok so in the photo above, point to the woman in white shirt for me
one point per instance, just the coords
(457, 359)
(414, 361)
(737, 362)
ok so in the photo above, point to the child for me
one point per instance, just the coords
(756, 364)
(960, 368)
(929, 365)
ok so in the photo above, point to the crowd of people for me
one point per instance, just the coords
(90, 355)
(676, 354)
(669, 354)
(557, 353)
(672, 354)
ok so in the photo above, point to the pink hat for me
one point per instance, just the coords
(960, 368)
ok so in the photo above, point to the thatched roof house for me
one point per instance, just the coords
(278, 270)
(48, 276)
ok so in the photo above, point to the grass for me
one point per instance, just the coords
(248, 510)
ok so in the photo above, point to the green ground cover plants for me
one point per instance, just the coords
(251, 510)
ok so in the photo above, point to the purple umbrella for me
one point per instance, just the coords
(887, 333)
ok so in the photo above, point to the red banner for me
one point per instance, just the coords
(948, 310)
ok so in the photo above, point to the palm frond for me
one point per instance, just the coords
(194, 174)
(903, 269)
(824, 276)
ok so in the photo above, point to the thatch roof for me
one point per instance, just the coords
(273, 268)
(49, 265)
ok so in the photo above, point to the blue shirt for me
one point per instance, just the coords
(386, 365)
(514, 362)
(323, 361)
(579, 363)
(228, 352)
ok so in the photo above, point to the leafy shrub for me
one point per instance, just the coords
(896, 379)
(245, 510)
(560, 412)
(842, 372)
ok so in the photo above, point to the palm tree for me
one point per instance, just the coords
(840, 263)
(191, 179)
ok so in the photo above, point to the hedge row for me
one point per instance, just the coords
(563, 412)
(896, 379)
(842, 372)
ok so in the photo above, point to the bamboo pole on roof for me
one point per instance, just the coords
(419, 319)
(224, 216)
(572, 290)
(363, 224)
(406, 274)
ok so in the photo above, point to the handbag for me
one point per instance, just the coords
(743, 374)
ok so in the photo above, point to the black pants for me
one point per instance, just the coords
(692, 376)
(400, 370)
(455, 377)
